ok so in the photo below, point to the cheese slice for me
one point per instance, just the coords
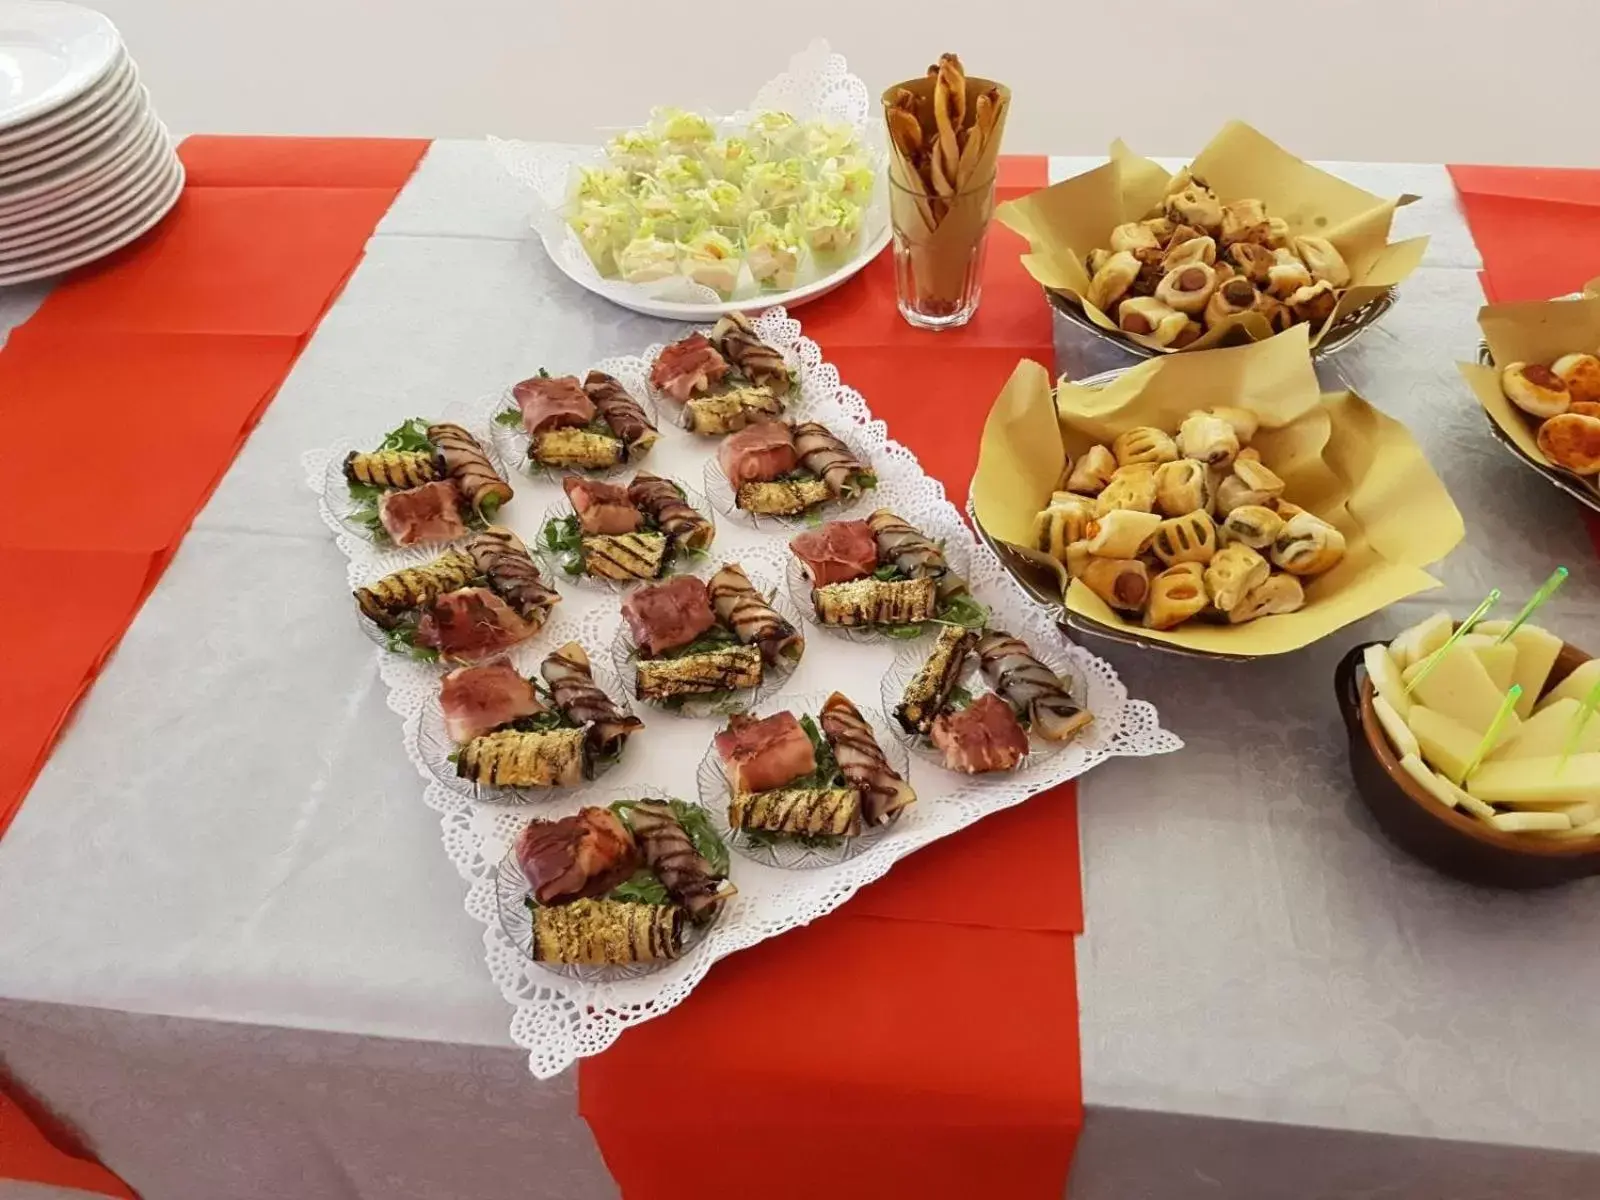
(1575, 686)
(1385, 676)
(1445, 792)
(1400, 735)
(1422, 639)
(1587, 830)
(1524, 780)
(1459, 687)
(1530, 822)
(1500, 661)
(1447, 745)
(1536, 654)
(1546, 732)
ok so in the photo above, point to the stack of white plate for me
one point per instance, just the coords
(85, 166)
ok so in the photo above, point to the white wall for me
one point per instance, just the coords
(1511, 81)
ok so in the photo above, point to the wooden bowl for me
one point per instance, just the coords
(1449, 841)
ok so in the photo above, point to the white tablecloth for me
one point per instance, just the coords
(234, 954)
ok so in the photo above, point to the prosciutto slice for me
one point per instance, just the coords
(837, 552)
(601, 507)
(552, 401)
(984, 736)
(471, 623)
(688, 366)
(757, 453)
(430, 513)
(667, 615)
(477, 700)
(579, 856)
(759, 755)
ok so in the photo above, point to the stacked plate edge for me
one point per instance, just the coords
(85, 165)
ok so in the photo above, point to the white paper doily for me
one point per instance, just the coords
(818, 83)
(558, 1020)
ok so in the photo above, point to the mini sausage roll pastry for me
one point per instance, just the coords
(1132, 488)
(1232, 572)
(1323, 260)
(1253, 262)
(1196, 205)
(1245, 221)
(1176, 594)
(1307, 545)
(1063, 523)
(1122, 583)
(1180, 487)
(1144, 444)
(1092, 471)
(1121, 533)
(1233, 299)
(1276, 594)
(1287, 275)
(1245, 423)
(1535, 389)
(1113, 279)
(1197, 250)
(1315, 303)
(1189, 538)
(1253, 524)
(1187, 287)
(1150, 318)
(1209, 438)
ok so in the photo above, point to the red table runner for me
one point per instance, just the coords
(856, 1057)
(172, 348)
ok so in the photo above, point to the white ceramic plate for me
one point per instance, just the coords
(88, 203)
(42, 127)
(80, 254)
(30, 159)
(679, 311)
(50, 53)
(118, 201)
(89, 174)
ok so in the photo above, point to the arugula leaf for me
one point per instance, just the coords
(696, 823)
(491, 505)
(572, 564)
(413, 435)
(903, 633)
(866, 479)
(643, 888)
(511, 417)
(563, 535)
(762, 839)
(826, 774)
(959, 698)
(718, 637)
(541, 722)
(961, 609)
(399, 640)
(888, 573)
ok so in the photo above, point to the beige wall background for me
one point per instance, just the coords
(1510, 81)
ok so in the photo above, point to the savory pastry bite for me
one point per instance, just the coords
(1031, 688)
(1176, 594)
(1278, 315)
(1307, 545)
(1253, 524)
(930, 688)
(1062, 523)
(1180, 487)
(1315, 303)
(621, 885)
(1092, 471)
(624, 533)
(1275, 594)
(684, 648)
(1585, 408)
(1234, 298)
(1245, 423)
(1163, 229)
(1581, 374)
(423, 484)
(1278, 235)
(781, 470)
(1233, 571)
(1132, 488)
(1572, 440)
(1189, 538)
(1252, 261)
(1151, 318)
(882, 572)
(1187, 287)
(1208, 438)
(1134, 236)
(1287, 275)
(1535, 389)
(1323, 260)
(1112, 280)
(1121, 533)
(1123, 583)
(1196, 205)
(1245, 221)
(1200, 251)
(1144, 444)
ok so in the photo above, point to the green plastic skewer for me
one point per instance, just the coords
(1493, 735)
(1546, 590)
(1579, 720)
(1462, 630)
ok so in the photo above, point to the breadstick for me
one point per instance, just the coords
(947, 151)
(956, 84)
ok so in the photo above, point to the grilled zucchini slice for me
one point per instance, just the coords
(930, 687)
(574, 447)
(782, 498)
(625, 555)
(696, 674)
(387, 600)
(816, 812)
(606, 932)
(876, 602)
(512, 758)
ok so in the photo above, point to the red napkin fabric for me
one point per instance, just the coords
(176, 344)
(1538, 231)
(869, 1035)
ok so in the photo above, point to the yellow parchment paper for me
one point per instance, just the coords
(1062, 223)
(1338, 457)
(1537, 331)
